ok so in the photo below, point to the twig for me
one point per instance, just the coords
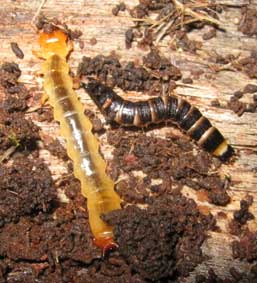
(162, 20)
(34, 109)
(162, 34)
(37, 12)
(188, 11)
(7, 153)
(146, 20)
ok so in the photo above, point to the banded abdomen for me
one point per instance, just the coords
(156, 110)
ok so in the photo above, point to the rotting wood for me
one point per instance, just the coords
(93, 18)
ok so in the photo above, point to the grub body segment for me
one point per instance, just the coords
(82, 145)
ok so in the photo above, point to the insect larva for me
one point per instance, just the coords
(158, 109)
(82, 146)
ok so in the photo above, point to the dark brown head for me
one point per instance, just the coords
(105, 98)
(99, 93)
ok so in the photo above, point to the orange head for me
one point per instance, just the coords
(106, 244)
(54, 43)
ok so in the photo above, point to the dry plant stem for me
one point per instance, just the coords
(162, 20)
(37, 12)
(188, 11)
(7, 153)
(164, 31)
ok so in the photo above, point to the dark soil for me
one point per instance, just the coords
(161, 241)
(15, 130)
(240, 107)
(243, 215)
(170, 159)
(44, 239)
(56, 149)
(49, 25)
(246, 247)
(155, 71)
(26, 188)
(237, 225)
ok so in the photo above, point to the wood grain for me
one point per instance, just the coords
(94, 19)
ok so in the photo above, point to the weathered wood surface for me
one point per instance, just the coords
(94, 19)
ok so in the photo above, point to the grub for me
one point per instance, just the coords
(58, 264)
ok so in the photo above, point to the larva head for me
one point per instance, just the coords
(54, 43)
(106, 244)
(99, 93)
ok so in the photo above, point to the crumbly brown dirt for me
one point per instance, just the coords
(245, 247)
(170, 159)
(46, 239)
(49, 25)
(172, 20)
(43, 239)
(248, 65)
(160, 241)
(15, 130)
(240, 107)
(155, 71)
(26, 188)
